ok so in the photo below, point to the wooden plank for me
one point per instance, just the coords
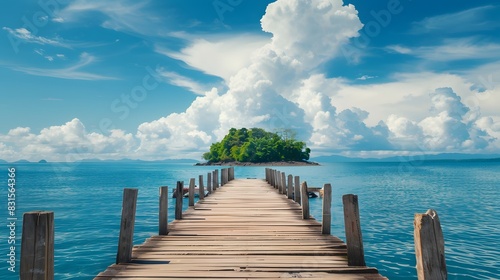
(246, 230)
(37, 246)
(126, 239)
(354, 239)
(429, 246)
(163, 212)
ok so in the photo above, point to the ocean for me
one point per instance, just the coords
(86, 199)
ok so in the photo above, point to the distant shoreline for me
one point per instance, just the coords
(272, 163)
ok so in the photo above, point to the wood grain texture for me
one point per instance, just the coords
(37, 246)
(163, 211)
(429, 247)
(126, 239)
(354, 239)
(246, 230)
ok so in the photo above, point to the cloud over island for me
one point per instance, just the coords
(282, 84)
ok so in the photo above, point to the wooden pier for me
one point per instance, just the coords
(245, 230)
(242, 229)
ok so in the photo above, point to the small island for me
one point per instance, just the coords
(256, 146)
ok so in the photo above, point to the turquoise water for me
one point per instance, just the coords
(86, 199)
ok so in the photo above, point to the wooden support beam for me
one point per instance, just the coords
(178, 200)
(191, 192)
(209, 182)
(290, 186)
(37, 246)
(296, 191)
(305, 200)
(201, 188)
(163, 214)
(429, 247)
(326, 222)
(217, 183)
(354, 239)
(273, 178)
(283, 183)
(126, 239)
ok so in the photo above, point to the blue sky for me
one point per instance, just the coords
(165, 79)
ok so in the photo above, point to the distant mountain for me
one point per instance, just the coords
(3, 161)
(436, 157)
(22, 161)
(126, 160)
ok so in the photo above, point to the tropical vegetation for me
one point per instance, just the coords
(258, 145)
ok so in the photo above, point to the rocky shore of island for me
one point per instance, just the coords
(272, 163)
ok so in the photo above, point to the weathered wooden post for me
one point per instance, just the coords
(297, 190)
(201, 188)
(214, 180)
(429, 247)
(37, 246)
(178, 200)
(273, 182)
(191, 192)
(209, 182)
(276, 179)
(326, 222)
(283, 183)
(126, 240)
(231, 173)
(354, 239)
(267, 174)
(305, 200)
(222, 177)
(290, 187)
(163, 215)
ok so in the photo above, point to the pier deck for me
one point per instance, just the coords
(244, 230)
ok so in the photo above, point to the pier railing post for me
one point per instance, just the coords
(178, 200)
(429, 247)
(326, 222)
(226, 176)
(209, 182)
(290, 187)
(191, 192)
(280, 180)
(222, 180)
(163, 214)
(305, 200)
(201, 188)
(37, 246)
(231, 173)
(126, 239)
(216, 177)
(214, 181)
(283, 183)
(354, 239)
(296, 191)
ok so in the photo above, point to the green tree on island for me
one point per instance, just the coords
(257, 145)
